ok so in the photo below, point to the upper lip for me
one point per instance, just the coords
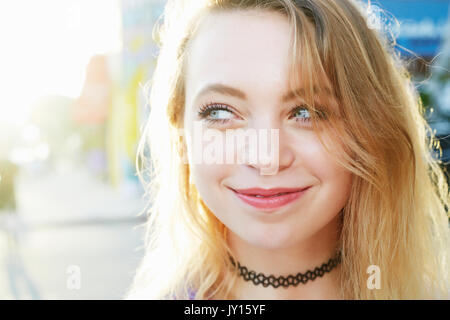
(267, 192)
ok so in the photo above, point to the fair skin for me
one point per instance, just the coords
(249, 50)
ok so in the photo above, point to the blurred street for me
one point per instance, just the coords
(42, 250)
(105, 254)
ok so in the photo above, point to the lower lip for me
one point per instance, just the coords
(270, 203)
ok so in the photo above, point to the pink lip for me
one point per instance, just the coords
(269, 199)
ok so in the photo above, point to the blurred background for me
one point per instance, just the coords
(71, 109)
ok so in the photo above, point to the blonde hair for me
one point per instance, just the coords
(396, 215)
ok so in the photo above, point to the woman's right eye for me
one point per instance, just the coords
(216, 113)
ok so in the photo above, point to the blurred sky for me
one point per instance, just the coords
(46, 46)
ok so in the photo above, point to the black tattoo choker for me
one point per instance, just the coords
(290, 280)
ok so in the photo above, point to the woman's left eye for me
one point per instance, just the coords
(301, 113)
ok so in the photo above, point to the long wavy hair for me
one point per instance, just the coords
(396, 216)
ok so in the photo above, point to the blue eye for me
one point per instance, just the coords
(216, 113)
(219, 114)
(301, 113)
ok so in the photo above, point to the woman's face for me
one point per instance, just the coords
(248, 51)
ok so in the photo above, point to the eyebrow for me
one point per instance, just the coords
(234, 92)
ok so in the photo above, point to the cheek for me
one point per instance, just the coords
(324, 166)
(208, 155)
(207, 177)
(312, 156)
(207, 172)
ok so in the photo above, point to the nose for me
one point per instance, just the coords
(274, 152)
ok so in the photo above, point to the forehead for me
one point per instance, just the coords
(249, 49)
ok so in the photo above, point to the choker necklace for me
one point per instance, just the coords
(288, 280)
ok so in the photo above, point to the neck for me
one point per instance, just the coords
(303, 256)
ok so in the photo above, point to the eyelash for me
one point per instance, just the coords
(205, 111)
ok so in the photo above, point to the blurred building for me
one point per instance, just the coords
(420, 29)
(129, 103)
(422, 32)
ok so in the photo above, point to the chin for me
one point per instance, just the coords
(269, 239)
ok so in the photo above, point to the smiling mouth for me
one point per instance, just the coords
(269, 199)
(273, 196)
(267, 193)
(269, 196)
